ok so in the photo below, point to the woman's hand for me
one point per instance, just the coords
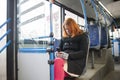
(59, 54)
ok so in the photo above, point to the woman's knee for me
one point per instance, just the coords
(59, 61)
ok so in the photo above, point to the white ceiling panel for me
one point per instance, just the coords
(114, 8)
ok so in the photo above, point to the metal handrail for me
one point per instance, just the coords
(8, 43)
(5, 34)
(9, 30)
(8, 20)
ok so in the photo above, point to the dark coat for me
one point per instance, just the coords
(77, 48)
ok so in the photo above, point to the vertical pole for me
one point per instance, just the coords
(92, 66)
(51, 46)
(85, 16)
(12, 48)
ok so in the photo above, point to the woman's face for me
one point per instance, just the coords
(68, 29)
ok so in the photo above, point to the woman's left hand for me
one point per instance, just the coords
(59, 54)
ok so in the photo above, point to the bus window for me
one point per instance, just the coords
(70, 14)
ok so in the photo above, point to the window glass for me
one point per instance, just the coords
(80, 21)
(70, 14)
(3, 18)
(56, 22)
(34, 23)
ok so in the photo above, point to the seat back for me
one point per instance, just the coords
(104, 37)
(85, 69)
(94, 34)
(56, 44)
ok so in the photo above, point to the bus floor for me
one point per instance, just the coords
(114, 75)
(105, 67)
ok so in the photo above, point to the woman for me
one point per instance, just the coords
(74, 47)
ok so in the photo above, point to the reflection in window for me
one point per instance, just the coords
(34, 23)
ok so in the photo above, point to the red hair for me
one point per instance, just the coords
(74, 27)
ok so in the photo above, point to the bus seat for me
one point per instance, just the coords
(56, 44)
(94, 34)
(85, 69)
(104, 37)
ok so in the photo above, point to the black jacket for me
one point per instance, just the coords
(77, 48)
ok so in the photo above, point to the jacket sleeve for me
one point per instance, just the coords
(83, 49)
(61, 45)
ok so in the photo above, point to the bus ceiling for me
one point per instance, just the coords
(110, 6)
